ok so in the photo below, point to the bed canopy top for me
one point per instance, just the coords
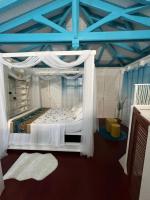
(53, 60)
(50, 58)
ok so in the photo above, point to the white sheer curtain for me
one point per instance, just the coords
(71, 77)
(3, 123)
(29, 62)
(49, 59)
(55, 62)
(3, 118)
(88, 107)
(72, 92)
(36, 94)
(52, 60)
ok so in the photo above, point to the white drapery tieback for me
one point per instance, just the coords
(50, 77)
(71, 77)
(23, 78)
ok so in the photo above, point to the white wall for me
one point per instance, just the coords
(108, 88)
(45, 94)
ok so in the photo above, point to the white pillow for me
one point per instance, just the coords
(80, 116)
(79, 113)
(73, 108)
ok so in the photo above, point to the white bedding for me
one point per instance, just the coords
(74, 126)
(69, 119)
(56, 116)
(50, 128)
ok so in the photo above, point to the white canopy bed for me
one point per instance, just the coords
(47, 133)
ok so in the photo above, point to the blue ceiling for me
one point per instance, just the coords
(119, 30)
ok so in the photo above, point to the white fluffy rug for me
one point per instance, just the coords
(35, 165)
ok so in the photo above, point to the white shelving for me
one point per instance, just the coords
(19, 96)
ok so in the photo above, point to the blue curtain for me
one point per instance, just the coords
(71, 92)
(134, 76)
(146, 75)
(141, 75)
(138, 75)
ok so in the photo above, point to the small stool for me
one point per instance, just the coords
(115, 130)
(109, 121)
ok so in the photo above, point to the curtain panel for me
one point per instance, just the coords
(72, 92)
(138, 75)
(3, 115)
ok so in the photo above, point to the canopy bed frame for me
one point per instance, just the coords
(85, 147)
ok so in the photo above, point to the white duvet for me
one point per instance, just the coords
(56, 115)
(51, 127)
